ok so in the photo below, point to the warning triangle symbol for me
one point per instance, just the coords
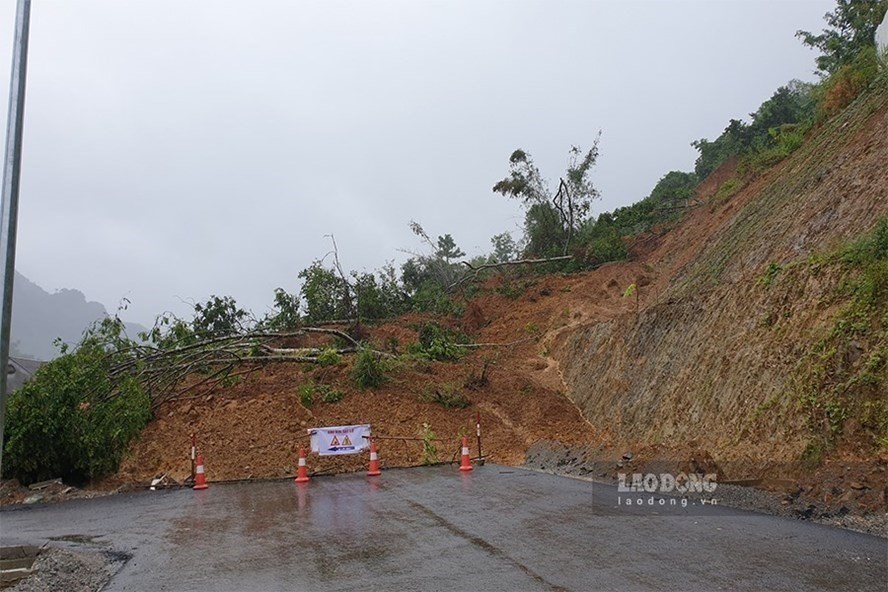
(334, 441)
(346, 441)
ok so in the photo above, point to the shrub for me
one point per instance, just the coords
(429, 449)
(438, 343)
(447, 395)
(328, 357)
(330, 394)
(849, 81)
(72, 420)
(306, 394)
(370, 369)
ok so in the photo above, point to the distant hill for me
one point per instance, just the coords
(39, 317)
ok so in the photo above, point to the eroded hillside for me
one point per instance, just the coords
(739, 297)
(728, 349)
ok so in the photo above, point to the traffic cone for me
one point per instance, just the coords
(466, 464)
(374, 460)
(200, 477)
(302, 472)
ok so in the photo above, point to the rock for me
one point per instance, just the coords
(627, 456)
(857, 485)
(846, 497)
(33, 499)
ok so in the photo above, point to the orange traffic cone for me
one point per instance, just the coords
(374, 460)
(200, 477)
(302, 472)
(466, 464)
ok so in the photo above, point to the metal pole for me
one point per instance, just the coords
(12, 166)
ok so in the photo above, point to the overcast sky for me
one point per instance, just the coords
(175, 150)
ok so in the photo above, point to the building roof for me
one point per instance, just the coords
(19, 371)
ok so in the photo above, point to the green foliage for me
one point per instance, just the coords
(727, 190)
(630, 291)
(845, 374)
(846, 83)
(286, 312)
(169, 332)
(851, 29)
(370, 369)
(784, 141)
(438, 343)
(770, 274)
(448, 395)
(328, 357)
(551, 220)
(513, 287)
(329, 394)
(73, 419)
(603, 241)
(326, 295)
(379, 295)
(434, 299)
(771, 127)
(732, 141)
(504, 248)
(447, 249)
(218, 317)
(544, 234)
(429, 449)
(306, 392)
(435, 271)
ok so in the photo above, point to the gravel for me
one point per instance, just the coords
(72, 571)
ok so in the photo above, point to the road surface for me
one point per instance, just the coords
(496, 528)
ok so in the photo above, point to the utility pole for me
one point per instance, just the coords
(12, 168)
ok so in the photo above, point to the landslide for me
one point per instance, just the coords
(712, 357)
(750, 340)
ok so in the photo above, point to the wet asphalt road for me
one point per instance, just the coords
(496, 528)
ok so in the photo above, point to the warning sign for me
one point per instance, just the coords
(340, 439)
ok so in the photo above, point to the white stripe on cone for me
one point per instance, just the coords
(374, 456)
(465, 450)
(301, 462)
(200, 469)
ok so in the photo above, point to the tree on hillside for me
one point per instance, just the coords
(674, 186)
(286, 312)
(504, 248)
(851, 28)
(325, 295)
(733, 141)
(434, 270)
(218, 317)
(552, 220)
(447, 249)
(790, 104)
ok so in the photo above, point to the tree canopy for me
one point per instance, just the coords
(851, 28)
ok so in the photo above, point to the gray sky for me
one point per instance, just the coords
(181, 149)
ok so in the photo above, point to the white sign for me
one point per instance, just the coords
(340, 439)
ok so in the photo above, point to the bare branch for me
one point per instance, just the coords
(475, 270)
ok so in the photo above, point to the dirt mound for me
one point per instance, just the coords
(255, 428)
